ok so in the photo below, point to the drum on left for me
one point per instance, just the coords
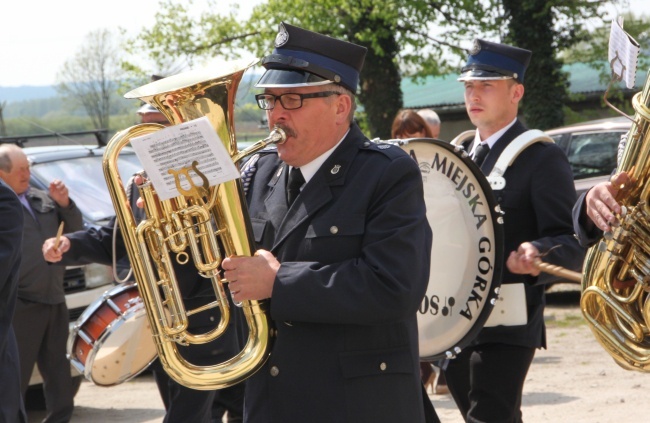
(111, 342)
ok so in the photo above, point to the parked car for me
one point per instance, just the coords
(591, 148)
(80, 168)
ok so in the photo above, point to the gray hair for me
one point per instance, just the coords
(344, 91)
(429, 116)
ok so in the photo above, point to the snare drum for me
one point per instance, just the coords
(111, 342)
(467, 250)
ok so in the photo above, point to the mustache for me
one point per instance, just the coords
(288, 131)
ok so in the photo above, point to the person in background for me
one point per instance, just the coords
(344, 249)
(181, 404)
(12, 408)
(41, 319)
(432, 119)
(149, 114)
(487, 378)
(409, 124)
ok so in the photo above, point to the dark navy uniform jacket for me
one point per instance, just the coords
(11, 236)
(355, 251)
(537, 202)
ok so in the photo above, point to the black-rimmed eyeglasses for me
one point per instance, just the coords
(289, 101)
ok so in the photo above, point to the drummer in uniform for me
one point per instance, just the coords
(487, 378)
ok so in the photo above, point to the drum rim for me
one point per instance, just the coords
(499, 254)
(136, 311)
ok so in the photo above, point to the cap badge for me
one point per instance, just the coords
(476, 48)
(282, 37)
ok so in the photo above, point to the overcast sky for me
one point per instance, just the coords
(38, 36)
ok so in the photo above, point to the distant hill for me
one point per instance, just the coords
(39, 101)
(26, 92)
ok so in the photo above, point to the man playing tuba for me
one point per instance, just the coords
(344, 249)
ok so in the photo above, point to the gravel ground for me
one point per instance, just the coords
(574, 380)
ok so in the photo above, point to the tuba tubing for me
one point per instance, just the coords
(181, 98)
(616, 280)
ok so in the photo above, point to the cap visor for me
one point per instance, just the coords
(278, 78)
(147, 108)
(480, 74)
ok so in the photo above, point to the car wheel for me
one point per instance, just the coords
(35, 398)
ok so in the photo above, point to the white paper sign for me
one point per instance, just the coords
(178, 148)
(623, 54)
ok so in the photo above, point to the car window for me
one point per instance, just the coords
(85, 180)
(593, 154)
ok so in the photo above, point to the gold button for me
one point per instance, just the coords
(275, 371)
(383, 366)
(334, 230)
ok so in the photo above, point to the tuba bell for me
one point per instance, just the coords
(198, 224)
(615, 296)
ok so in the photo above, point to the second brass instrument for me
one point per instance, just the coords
(616, 276)
(196, 225)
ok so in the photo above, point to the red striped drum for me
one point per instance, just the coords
(111, 342)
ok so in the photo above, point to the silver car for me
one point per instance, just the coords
(591, 148)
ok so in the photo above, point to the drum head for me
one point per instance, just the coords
(467, 250)
(112, 340)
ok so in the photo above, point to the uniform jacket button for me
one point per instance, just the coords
(383, 367)
(334, 230)
(274, 371)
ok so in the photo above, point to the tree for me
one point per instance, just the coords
(396, 33)
(3, 128)
(548, 27)
(92, 77)
(405, 38)
(595, 51)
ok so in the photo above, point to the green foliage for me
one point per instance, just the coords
(397, 34)
(50, 123)
(594, 48)
(247, 121)
(531, 26)
(414, 38)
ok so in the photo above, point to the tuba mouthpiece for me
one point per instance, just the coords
(278, 135)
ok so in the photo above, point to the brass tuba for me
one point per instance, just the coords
(193, 224)
(616, 274)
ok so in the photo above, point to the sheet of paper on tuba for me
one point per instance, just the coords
(186, 155)
(623, 54)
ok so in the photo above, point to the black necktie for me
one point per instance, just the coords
(481, 151)
(293, 184)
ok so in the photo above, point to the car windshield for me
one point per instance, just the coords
(85, 180)
(593, 154)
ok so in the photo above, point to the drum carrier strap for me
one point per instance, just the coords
(511, 152)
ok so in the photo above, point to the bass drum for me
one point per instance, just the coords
(467, 250)
(111, 342)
